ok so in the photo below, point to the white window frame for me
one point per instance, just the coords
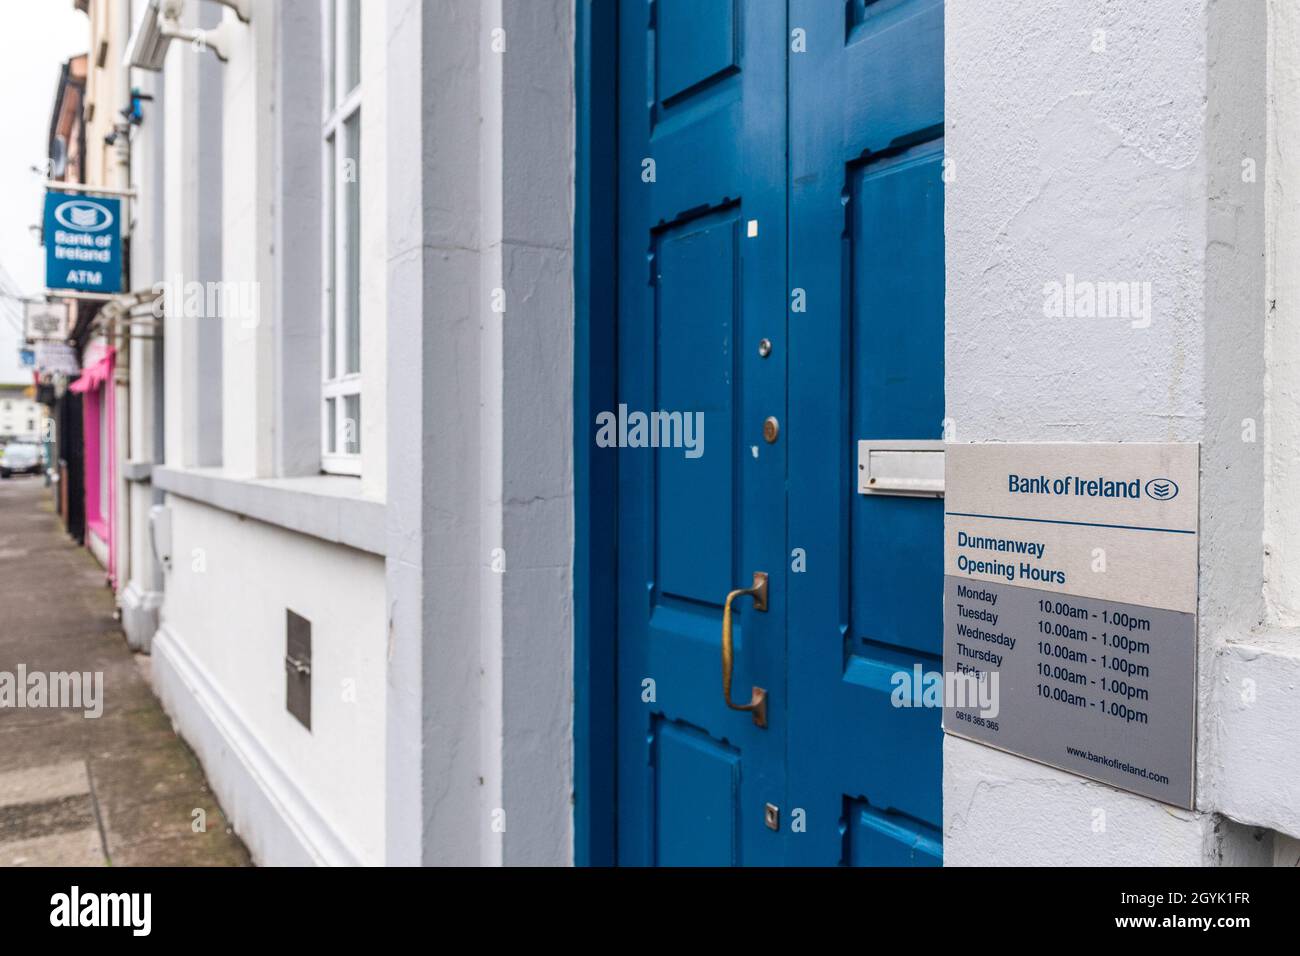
(339, 106)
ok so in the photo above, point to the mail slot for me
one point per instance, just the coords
(913, 468)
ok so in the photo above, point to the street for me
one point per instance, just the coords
(117, 789)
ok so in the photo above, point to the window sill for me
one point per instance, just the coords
(328, 507)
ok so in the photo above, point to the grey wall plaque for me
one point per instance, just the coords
(1070, 608)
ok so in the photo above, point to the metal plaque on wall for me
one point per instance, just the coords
(1070, 588)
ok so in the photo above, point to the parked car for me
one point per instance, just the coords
(21, 458)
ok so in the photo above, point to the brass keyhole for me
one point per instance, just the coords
(771, 429)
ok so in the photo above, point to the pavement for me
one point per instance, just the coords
(118, 789)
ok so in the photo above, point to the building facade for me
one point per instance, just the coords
(419, 587)
(20, 416)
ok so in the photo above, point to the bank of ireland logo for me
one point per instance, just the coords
(83, 216)
(1162, 489)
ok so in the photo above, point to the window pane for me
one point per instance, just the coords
(331, 427)
(352, 202)
(353, 75)
(352, 424)
(331, 266)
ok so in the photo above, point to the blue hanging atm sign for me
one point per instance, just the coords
(83, 242)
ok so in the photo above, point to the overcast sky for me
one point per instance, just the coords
(38, 36)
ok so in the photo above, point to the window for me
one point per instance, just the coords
(341, 322)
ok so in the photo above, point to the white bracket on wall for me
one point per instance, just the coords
(159, 23)
(243, 8)
(908, 468)
(160, 534)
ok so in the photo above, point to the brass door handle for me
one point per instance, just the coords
(758, 697)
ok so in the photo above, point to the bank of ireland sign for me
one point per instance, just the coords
(83, 242)
(1071, 592)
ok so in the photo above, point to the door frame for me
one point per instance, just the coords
(595, 471)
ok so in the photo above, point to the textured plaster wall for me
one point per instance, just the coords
(1282, 585)
(1000, 809)
(536, 396)
(1070, 161)
(480, 520)
(434, 776)
(1254, 760)
(1105, 141)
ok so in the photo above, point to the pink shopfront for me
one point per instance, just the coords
(95, 386)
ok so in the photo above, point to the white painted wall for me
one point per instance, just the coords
(480, 419)
(1253, 765)
(192, 185)
(139, 593)
(1114, 141)
(1281, 170)
(535, 396)
(1002, 810)
(295, 796)
(226, 596)
(248, 205)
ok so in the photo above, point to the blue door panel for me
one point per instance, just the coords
(874, 838)
(893, 587)
(890, 75)
(896, 283)
(682, 642)
(887, 754)
(695, 42)
(896, 225)
(697, 792)
(695, 350)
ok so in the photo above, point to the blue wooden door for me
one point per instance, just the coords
(781, 276)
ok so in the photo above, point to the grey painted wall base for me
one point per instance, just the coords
(270, 814)
(140, 616)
